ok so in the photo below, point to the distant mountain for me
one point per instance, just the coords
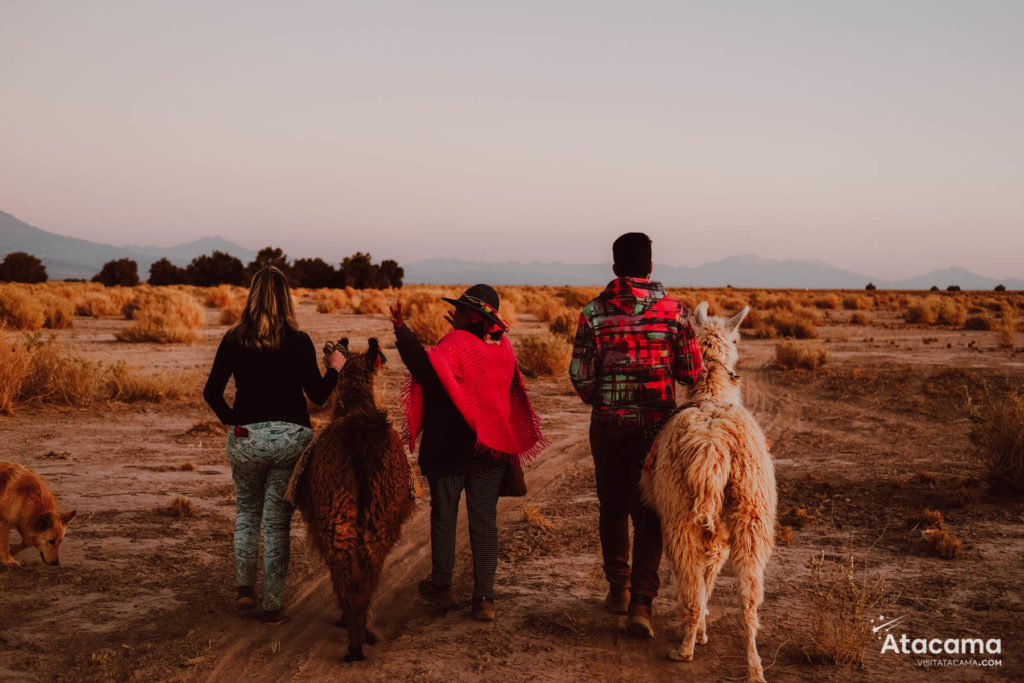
(70, 257)
(67, 257)
(738, 271)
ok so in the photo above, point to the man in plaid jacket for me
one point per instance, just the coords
(632, 345)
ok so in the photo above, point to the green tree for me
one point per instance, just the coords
(163, 272)
(314, 273)
(21, 267)
(216, 269)
(123, 271)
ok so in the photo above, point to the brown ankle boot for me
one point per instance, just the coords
(639, 623)
(617, 601)
(483, 609)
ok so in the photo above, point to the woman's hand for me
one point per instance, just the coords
(397, 319)
(335, 359)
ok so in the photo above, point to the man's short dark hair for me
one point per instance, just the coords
(632, 254)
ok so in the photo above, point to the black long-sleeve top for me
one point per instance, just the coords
(447, 443)
(269, 383)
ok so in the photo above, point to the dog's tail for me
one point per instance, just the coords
(707, 476)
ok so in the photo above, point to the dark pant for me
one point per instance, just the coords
(619, 452)
(482, 508)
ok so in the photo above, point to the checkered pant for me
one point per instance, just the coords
(482, 507)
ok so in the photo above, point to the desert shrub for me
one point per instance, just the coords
(230, 314)
(951, 313)
(164, 316)
(859, 318)
(543, 354)
(790, 355)
(564, 324)
(18, 266)
(1006, 328)
(32, 307)
(425, 315)
(870, 287)
(923, 311)
(799, 323)
(222, 295)
(953, 288)
(126, 384)
(998, 431)
(105, 303)
(978, 322)
(829, 301)
(842, 605)
(944, 543)
(181, 507)
(856, 302)
(15, 366)
(532, 515)
(333, 300)
(1000, 288)
(373, 301)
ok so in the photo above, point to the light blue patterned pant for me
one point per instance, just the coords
(261, 464)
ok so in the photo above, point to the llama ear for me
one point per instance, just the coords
(732, 326)
(700, 314)
(66, 517)
(374, 356)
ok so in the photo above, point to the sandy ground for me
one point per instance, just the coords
(145, 595)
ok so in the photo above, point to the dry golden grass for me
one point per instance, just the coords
(564, 324)
(181, 507)
(929, 479)
(33, 307)
(543, 354)
(532, 516)
(944, 543)
(838, 628)
(332, 300)
(425, 315)
(799, 322)
(222, 295)
(164, 316)
(784, 535)
(1006, 328)
(859, 318)
(998, 431)
(927, 517)
(791, 355)
(96, 301)
(797, 517)
(857, 302)
(38, 370)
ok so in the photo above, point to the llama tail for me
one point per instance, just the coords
(707, 476)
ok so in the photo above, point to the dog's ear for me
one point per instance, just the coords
(374, 356)
(66, 517)
(700, 314)
(732, 326)
(44, 522)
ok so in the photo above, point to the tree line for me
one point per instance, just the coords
(357, 271)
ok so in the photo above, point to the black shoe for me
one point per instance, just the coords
(246, 599)
(440, 596)
(274, 617)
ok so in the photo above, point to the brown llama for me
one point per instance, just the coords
(711, 479)
(353, 490)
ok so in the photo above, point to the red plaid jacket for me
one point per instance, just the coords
(632, 344)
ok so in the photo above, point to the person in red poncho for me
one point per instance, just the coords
(466, 402)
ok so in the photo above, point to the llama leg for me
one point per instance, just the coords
(687, 553)
(718, 551)
(750, 582)
(356, 612)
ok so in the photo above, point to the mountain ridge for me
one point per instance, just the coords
(72, 257)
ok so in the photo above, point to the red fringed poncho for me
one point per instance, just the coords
(484, 383)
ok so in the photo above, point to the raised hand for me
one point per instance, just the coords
(397, 319)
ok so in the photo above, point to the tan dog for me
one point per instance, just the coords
(27, 504)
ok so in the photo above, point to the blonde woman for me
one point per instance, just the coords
(274, 364)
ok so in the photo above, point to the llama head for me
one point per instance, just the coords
(355, 381)
(718, 336)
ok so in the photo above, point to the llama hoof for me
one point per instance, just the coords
(678, 656)
(702, 639)
(355, 654)
(371, 637)
(757, 675)
(11, 563)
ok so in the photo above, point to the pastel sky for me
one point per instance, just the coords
(883, 137)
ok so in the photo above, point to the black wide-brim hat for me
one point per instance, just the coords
(483, 300)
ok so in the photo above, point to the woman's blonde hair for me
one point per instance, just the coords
(268, 312)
